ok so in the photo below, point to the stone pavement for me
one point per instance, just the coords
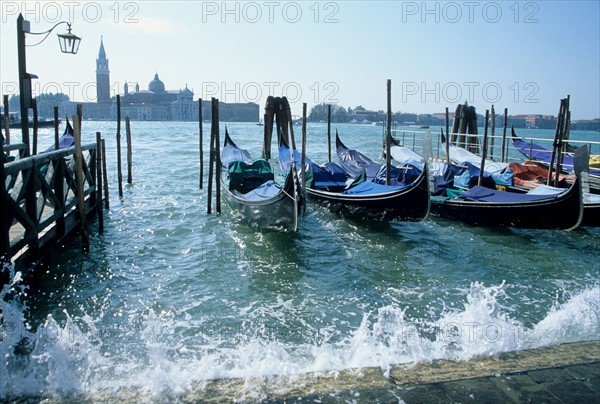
(567, 373)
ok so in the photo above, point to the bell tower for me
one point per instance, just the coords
(102, 76)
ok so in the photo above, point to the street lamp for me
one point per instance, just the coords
(68, 42)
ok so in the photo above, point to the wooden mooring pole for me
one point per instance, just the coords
(4, 225)
(34, 139)
(129, 151)
(99, 156)
(493, 132)
(6, 122)
(85, 238)
(562, 145)
(59, 190)
(211, 158)
(303, 156)
(80, 114)
(447, 144)
(56, 133)
(484, 148)
(329, 133)
(119, 171)
(388, 132)
(217, 157)
(105, 175)
(503, 151)
(557, 137)
(201, 151)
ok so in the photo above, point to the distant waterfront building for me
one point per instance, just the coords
(157, 104)
(533, 121)
(154, 104)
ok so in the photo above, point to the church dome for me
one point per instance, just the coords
(156, 86)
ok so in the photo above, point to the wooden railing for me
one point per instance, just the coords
(39, 202)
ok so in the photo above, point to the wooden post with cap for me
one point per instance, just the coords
(201, 148)
(388, 133)
(119, 171)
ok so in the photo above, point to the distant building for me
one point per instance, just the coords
(362, 115)
(102, 77)
(156, 103)
(540, 121)
(518, 121)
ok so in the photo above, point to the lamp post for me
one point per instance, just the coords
(68, 42)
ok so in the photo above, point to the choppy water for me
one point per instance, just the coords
(170, 296)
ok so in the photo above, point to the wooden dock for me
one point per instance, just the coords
(44, 198)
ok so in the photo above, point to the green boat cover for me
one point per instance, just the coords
(245, 177)
(453, 192)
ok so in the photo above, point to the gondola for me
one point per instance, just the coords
(538, 153)
(489, 207)
(530, 175)
(67, 139)
(362, 193)
(525, 177)
(249, 189)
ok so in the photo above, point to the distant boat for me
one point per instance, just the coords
(44, 123)
(15, 122)
(259, 123)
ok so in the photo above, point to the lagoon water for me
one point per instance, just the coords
(170, 296)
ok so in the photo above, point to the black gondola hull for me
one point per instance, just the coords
(280, 213)
(564, 212)
(591, 215)
(410, 204)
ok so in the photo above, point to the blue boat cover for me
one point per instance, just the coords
(265, 191)
(400, 176)
(371, 188)
(284, 159)
(318, 175)
(354, 162)
(66, 140)
(483, 194)
(446, 180)
(231, 153)
(470, 176)
(327, 175)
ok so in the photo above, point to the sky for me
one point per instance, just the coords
(524, 56)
